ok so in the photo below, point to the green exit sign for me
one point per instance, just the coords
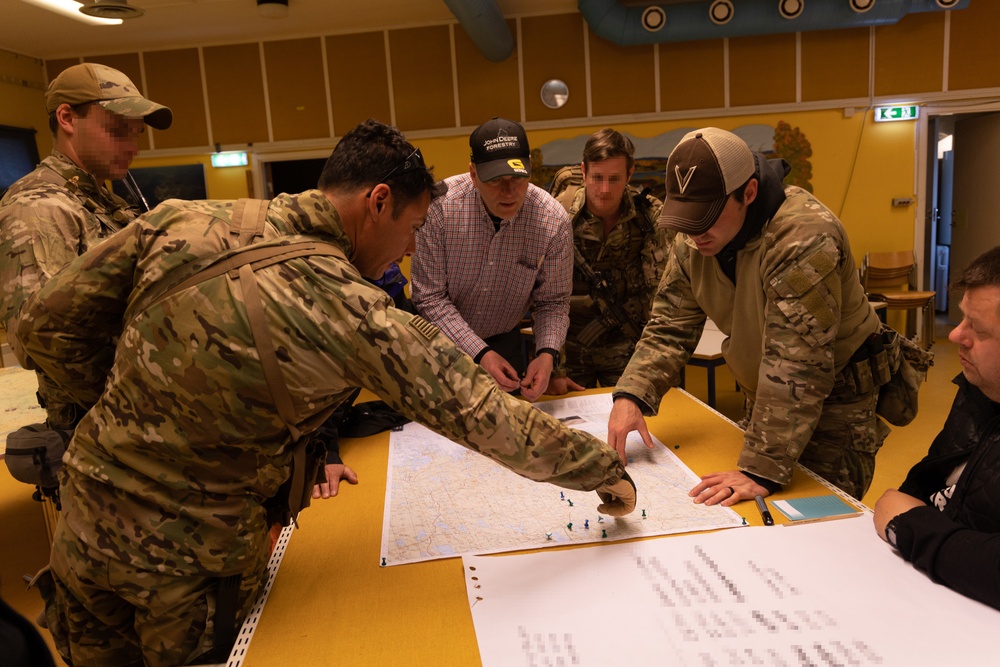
(896, 113)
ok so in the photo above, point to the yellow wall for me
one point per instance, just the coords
(22, 97)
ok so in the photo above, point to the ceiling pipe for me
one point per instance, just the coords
(483, 21)
(691, 21)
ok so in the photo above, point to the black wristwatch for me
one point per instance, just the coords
(891, 529)
(553, 352)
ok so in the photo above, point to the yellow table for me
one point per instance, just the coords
(331, 603)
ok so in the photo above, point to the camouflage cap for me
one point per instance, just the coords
(91, 82)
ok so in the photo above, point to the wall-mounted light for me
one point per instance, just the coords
(653, 18)
(554, 93)
(272, 9)
(230, 159)
(71, 9)
(721, 12)
(862, 6)
(790, 9)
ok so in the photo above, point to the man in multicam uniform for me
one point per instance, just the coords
(616, 237)
(63, 208)
(166, 476)
(772, 267)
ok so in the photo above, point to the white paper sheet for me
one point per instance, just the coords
(443, 500)
(824, 594)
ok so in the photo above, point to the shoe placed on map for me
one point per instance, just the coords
(619, 498)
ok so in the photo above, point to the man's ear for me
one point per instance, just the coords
(379, 199)
(65, 118)
(750, 192)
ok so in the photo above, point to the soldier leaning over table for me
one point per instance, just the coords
(772, 267)
(167, 477)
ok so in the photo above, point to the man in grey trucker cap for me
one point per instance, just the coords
(64, 207)
(772, 267)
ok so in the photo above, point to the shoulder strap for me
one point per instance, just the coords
(241, 263)
(254, 210)
(260, 256)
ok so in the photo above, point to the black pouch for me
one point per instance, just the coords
(34, 454)
(369, 418)
(908, 363)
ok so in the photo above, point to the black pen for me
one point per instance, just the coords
(765, 513)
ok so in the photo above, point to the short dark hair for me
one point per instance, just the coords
(373, 153)
(81, 110)
(739, 194)
(984, 271)
(606, 144)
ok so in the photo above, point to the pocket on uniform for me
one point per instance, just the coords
(807, 299)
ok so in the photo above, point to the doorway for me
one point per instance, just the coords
(961, 215)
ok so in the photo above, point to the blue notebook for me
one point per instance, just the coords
(815, 508)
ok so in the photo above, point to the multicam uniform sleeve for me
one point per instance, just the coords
(668, 340)
(67, 328)
(413, 367)
(553, 286)
(801, 319)
(429, 285)
(39, 237)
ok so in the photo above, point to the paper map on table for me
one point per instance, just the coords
(443, 500)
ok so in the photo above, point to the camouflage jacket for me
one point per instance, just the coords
(629, 259)
(184, 441)
(792, 321)
(47, 218)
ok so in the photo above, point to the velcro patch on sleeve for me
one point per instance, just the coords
(423, 327)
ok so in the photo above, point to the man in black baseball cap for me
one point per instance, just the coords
(500, 148)
(771, 266)
(493, 248)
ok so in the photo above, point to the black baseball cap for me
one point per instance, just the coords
(500, 148)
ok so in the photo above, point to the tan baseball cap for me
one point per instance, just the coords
(702, 171)
(91, 82)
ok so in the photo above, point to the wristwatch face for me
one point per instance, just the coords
(890, 532)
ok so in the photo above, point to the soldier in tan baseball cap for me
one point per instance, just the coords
(64, 207)
(92, 82)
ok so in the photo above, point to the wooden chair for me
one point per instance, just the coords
(890, 277)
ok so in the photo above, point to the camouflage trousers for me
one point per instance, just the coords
(849, 434)
(104, 613)
(602, 364)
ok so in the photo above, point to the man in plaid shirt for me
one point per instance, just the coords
(493, 248)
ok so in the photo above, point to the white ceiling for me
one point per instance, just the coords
(33, 31)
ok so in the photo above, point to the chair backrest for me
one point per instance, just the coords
(881, 270)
